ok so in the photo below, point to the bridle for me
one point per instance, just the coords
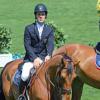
(69, 66)
(69, 70)
(59, 89)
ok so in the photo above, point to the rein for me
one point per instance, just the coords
(47, 77)
(34, 77)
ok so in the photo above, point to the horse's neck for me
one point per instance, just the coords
(73, 52)
(54, 61)
(49, 68)
(60, 51)
(69, 50)
(52, 64)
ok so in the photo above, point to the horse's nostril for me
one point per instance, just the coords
(68, 91)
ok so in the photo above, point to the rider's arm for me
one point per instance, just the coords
(50, 43)
(27, 44)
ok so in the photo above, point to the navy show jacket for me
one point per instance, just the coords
(36, 47)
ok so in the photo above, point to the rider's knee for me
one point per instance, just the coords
(26, 70)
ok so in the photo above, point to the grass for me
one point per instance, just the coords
(90, 93)
(78, 18)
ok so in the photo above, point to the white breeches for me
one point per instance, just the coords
(26, 70)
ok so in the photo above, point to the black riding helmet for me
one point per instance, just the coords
(40, 8)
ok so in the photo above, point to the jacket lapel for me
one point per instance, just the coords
(36, 32)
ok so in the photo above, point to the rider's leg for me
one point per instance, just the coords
(25, 75)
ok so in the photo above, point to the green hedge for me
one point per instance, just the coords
(5, 38)
(59, 35)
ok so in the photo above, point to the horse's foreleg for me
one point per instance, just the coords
(77, 88)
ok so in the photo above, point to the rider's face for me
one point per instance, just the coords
(40, 16)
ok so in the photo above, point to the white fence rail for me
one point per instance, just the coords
(4, 59)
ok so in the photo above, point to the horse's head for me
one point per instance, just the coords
(65, 75)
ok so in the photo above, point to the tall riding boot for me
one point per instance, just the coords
(22, 86)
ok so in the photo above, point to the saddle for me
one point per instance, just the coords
(17, 75)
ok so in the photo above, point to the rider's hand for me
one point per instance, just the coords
(37, 62)
(47, 58)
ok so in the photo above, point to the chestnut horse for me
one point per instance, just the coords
(43, 86)
(84, 60)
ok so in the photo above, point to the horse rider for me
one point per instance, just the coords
(97, 48)
(38, 43)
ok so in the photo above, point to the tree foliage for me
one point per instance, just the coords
(59, 35)
(5, 38)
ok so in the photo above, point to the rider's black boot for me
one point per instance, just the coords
(22, 86)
